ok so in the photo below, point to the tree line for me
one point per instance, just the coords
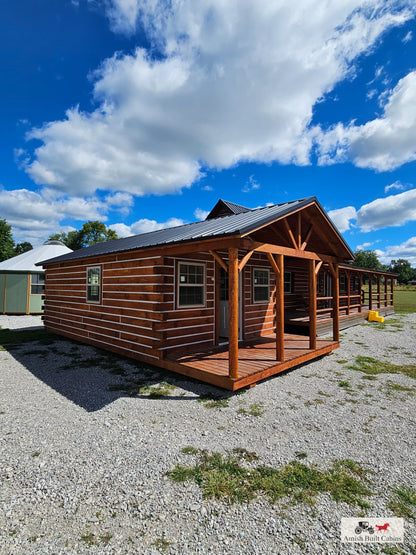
(91, 232)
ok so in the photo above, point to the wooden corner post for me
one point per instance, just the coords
(233, 312)
(312, 305)
(335, 304)
(278, 267)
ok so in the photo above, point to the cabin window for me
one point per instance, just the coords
(342, 284)
(94, 284)
(289, 282)
(191, 285)
(37, 282)
(261, 286)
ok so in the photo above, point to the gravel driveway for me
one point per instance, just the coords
(85, 447)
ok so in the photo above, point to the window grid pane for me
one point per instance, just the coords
(93, 284)
(191, 286)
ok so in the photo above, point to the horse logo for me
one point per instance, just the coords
(382, 528)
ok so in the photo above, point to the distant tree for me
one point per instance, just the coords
(6, 241)
(92, 232)
(403, 268)
(20, 248)
(369, 260)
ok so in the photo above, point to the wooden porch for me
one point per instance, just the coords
(256, 360)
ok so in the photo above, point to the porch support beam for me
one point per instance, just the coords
(233, 312)
(370, 291)
(312, 305)
(278, 268)
(335, 304)
(348, 280)
(306, 241)
(220, 261)
(289, 232)
(378, 291)
(249, 244)
(244, 260)
(299, 230)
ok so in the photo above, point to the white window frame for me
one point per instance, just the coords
(267, 270)
(179, 285)
(37, 284)
(99, 285)
(291, 282)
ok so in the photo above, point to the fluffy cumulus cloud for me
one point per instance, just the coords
(144, 226)
(36, 215)
(406, 250)
(227, 82)
(390, 211)
(384, 143)
(342, 217)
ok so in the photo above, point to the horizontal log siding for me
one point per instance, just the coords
(135, 292)
(259, 318)
(193, 328)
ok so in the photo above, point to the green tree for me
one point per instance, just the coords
(92, 232)
(369, 260)
(20, 248)
(403, 268)
(6, 241)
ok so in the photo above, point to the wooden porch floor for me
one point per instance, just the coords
(256, 360)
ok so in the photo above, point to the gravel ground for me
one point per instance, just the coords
(83, 466)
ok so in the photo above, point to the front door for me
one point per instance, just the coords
(223, 305)
(223, 301)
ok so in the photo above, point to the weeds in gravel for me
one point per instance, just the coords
(372, 366)
(256, 409)
(403, 503)
(344, 384)
(211, 402)
(158, 391)
(35, 454)
(161, 543)
(224, 477)
(190, 450)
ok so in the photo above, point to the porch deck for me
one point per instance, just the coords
(256, 360)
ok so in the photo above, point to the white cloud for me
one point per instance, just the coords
(201, 214)
(408, 37)
(394, 210)
(342, 217)
(223, 83)
(396, 185)
(363, 246)
(144, 226)
(382, 144)
(406, 250)
(34, 216)
(250, 185)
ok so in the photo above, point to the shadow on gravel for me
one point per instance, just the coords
(93, 378)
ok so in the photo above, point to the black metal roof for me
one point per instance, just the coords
(226, 208)
(233, 225)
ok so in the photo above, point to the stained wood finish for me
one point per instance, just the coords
(233, 312)
(256, 360)
(335, 303)
(312, 305)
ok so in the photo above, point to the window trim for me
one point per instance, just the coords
(203, 284)
(92, 267)
(262, 285)
(291, 283)
(37, 284)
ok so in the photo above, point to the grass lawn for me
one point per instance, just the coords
(405, 299)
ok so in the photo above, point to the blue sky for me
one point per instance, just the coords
(143, 114)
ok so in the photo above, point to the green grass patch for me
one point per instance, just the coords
(190, 450)
(158, 391)
(405, 300)
(372, 366)
(161, 544)
(344, 384)
(16, 338)
(403, 502)
(211, 402)
(256, 409)
(224, 477)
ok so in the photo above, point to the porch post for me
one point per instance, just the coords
(233, 312)
(280, 310)
(386, 291)
(378, 291)
(335, 304)
(361, 297)
(392, 291)
(348, 284)
(312, 305)
(370, 291)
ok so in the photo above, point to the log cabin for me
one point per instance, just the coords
(231, 300)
